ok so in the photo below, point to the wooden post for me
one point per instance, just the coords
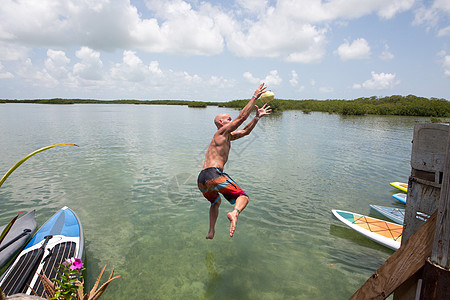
(436, 273)
(428, 160)
(428, 156)
(405, 262)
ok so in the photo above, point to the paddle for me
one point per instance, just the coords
(7, 228)
(24, 233)
(32, 266)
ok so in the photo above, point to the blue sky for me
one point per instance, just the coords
(221, 50)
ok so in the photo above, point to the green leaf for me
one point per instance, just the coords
(27, 157)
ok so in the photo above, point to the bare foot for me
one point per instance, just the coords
(210, 235)
(232, 216)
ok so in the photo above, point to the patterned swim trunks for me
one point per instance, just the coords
(212, 181)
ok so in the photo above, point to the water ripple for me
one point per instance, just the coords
(132, 182)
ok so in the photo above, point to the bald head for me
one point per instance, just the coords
(222, 119)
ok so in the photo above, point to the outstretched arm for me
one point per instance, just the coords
(245, 112)
(260, 112)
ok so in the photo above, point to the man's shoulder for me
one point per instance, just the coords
(223, 131)
(222, 135)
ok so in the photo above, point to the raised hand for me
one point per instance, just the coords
(261, 89)
(265, 110)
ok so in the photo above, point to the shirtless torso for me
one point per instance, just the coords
(217, 156)
(218, 150)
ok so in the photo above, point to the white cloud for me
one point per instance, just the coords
(192, 79)
(108, 25)
(220, 82)
(391, 8)
(57, 63)
(432, 16)
(315, 11)
(283, 30)
(36, 76)
(90, 67)
(326, 89)
(294, 80)
(131, 69)
(386, 54)
(428, 16)
(12, 52)
(183, 29)
(381, 81)
(446, 65)
(291, 30)
(443, 5)
(314, 53)
(359, 49)
(444, 32)
(5, 74)
(279, 37)
(273, 78)
(250, 78)
(296, 28)
(253, 6)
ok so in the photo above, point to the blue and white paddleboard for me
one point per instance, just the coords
(400, 197)
(61, 237)
(395, 214)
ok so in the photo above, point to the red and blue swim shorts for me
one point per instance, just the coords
(212, 181)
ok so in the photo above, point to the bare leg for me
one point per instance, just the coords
(213, 214)
(241, 203)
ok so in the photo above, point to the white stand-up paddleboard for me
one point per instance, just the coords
(385, 233)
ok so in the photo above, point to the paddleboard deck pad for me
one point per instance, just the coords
(19, 234)
(400, 185)
(395, 214)
(61, 237)
(385, 233)
(400, 197)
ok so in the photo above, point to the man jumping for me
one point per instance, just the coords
(212, 180)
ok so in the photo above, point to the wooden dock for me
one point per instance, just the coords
(420, 268)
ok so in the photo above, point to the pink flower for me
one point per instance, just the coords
(67, 262)
(77, 264)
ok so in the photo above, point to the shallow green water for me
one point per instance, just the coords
(132, 182)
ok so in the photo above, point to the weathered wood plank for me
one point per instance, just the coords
(423, 198)
(405, 262)
(441, 246)
(436, 274)
(435, 284)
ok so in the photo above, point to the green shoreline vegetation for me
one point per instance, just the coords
(392, 105)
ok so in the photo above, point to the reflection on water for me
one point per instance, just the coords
(133, 184)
